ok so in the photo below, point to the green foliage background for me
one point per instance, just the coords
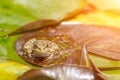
(15, 13)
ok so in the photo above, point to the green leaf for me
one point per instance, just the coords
(7, 49)
(10, 21)
(51, 9)
(10, 70)
(16, 13)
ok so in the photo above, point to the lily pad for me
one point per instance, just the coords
(11, 68)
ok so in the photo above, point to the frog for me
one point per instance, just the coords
(41, 49)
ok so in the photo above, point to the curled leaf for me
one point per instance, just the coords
(60, 72)
(35, 26)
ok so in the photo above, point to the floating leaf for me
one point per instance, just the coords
(35, 26)
(11, 70)
(102, 41)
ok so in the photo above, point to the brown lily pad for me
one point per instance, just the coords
(101, 40)
(46, 50)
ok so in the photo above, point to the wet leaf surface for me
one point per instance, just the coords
(11, 68)
(102, 41)
(16, 13)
